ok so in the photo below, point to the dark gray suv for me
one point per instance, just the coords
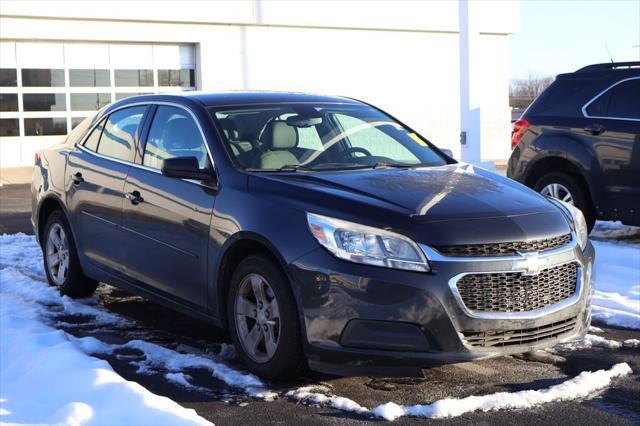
(318, 231)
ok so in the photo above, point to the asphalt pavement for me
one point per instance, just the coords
(618, 404)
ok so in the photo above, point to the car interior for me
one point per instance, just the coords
(314, 138)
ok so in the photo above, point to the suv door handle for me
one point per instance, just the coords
(595, 129)
(134, 197)
(77, 178)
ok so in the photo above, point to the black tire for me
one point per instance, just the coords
(288, 360)
(580, 198)
(75, 284)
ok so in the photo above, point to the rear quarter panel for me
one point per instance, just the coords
(49, 179)
(556, 137)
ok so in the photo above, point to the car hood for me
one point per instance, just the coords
(432, 195)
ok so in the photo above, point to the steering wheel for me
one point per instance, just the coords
(352, 150)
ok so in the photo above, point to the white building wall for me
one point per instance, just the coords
(400, 56)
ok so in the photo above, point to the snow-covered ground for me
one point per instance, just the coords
(39, 362)
(48, 376)
(45, 378)
(616, 300)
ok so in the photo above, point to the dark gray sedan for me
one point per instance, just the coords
(319, 231)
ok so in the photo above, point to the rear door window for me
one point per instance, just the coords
(94, 138)
(119, 133)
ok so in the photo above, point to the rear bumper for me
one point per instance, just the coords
(367, 320)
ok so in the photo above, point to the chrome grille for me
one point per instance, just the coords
(504, 249)
(515, 292)
(523, 336)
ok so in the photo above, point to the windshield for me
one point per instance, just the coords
(320, 137)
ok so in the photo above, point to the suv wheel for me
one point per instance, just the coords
(263, 319)
(61, 262)
(564, 187)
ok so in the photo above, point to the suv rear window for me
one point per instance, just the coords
(620, 101)
(625, 100)
(557, 98)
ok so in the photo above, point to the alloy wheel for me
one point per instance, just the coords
(559, 191)
(257, 318)
(57, 254)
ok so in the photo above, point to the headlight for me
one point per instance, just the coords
(579, 224)
(364, 244)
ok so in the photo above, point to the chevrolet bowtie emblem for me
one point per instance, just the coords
(532, 263)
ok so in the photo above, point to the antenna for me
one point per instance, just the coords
(609, 53)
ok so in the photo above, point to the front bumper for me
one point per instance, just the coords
(367, 320)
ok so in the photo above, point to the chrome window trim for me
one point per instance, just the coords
(584, 108)
(81, 146)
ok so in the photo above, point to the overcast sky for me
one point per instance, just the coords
(564, 35)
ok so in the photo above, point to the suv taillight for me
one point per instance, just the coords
(519, 129)
(36, 159)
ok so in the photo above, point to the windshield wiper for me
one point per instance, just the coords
(285, 168)
(383, 165)
(290, 168)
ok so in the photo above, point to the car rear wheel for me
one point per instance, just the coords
(565, 188)
(263, 320)
(61, 263)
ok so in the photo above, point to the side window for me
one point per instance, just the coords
(93, 139)
(625, 100)
(119, 132)
(373, 140)
(173, 133)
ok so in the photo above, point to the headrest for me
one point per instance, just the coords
(279, 135)
(181, 133)
(229, 128)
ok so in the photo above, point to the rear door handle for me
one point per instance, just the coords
(595, 129)
(134, 197)
(77, 178)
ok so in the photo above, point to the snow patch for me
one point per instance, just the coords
(616, 300)
(613, 230)
(589, 341)
(158, 358)
(321, 395)
(579, 387)
(593, 329)
(39, 363)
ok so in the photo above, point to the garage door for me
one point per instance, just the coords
(46, 89)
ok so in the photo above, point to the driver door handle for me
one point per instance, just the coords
(595, 129)
(134, 197)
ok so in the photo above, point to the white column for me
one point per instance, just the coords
(470, 136)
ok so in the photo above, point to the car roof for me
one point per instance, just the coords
(237, 98)
(606, 69)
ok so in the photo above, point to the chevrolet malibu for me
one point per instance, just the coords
(319, 231)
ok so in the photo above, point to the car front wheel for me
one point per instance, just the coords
(263, 320)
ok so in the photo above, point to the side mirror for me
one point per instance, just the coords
(447, 152)
(185, 168)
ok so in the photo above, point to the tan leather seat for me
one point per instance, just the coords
(278, 138)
